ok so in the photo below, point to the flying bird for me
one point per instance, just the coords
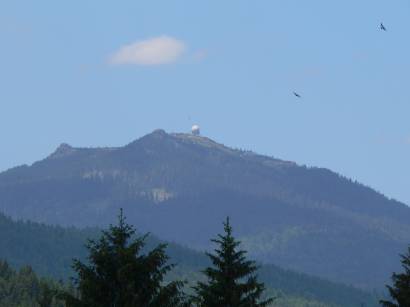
(297, 95)
(382, 27)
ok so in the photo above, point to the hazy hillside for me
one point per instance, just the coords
(50, 249)
(181, 187)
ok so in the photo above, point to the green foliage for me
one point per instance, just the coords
(400, 291)
(283, 300)
(50, 250)
(231, 279)
(302, 286)
(308, 219)
(24, 289)
(118, 274)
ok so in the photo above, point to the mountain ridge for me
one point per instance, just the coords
(181, 186)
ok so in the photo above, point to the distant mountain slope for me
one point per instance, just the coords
(50, 250)
(181, 187)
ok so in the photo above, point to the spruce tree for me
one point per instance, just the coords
(119, 274)
(400, 291)
(231, 280)
(47, 294)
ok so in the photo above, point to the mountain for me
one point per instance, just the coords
(181, 187)
(49, 250)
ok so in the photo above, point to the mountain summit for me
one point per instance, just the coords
(181, 186)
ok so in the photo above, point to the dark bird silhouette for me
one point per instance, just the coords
(382, 27)
(297, 95)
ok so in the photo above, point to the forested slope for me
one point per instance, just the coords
(50, 250)
(180, 187)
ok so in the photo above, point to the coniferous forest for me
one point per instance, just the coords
(112, 265)
(306, 219)
(226, 153)
(183, 153)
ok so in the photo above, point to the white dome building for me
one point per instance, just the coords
(195, 130)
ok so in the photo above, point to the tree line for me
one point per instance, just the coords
(120, 272)
(119, 275)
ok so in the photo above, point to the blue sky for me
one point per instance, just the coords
(99, 73)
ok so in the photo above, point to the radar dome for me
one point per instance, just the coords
(195, 130)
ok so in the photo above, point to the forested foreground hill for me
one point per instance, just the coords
(50, 249)
(24, 288)
(180, 187)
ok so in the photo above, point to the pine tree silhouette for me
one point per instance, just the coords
(231, 280)
(119, 275)
(400, 291)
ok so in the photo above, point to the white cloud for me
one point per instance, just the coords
(153, 51)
